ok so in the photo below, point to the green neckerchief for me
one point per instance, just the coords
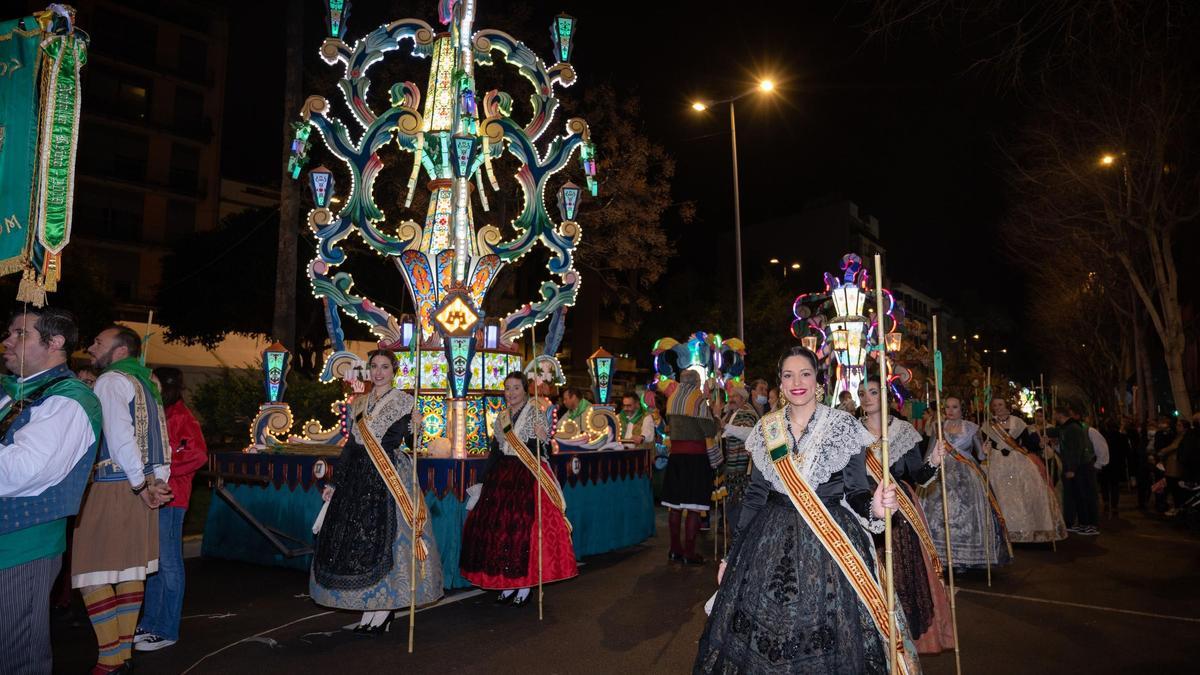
(21, 391)
(575, 414)
(132, 367)
(636, 419)
(56, 381)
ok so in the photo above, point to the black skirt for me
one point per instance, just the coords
(688, 483)
(784, 605)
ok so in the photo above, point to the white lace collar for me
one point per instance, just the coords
(901, 437)
(525, 427)
(832, 439)
(390, 407)
(963, 440)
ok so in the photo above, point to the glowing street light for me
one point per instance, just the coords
(766, 86)
(1108, 159)
(774, 261)
(795, 266)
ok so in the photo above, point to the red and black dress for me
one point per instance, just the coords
(499, 549)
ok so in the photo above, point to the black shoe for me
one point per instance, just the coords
(693, 560)
(674, 557)
(381, 628)
(503, 599)
(521, 602)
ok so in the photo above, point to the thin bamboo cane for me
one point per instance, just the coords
(889, 572)
(946, 506)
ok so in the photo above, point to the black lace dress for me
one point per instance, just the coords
(363, 552)
(784, 605)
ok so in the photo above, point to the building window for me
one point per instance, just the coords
(185, 167)
(117, 94)
(123, 271)
(181, 220)
(106, 152)
(107, 213)
(139, 38)
(189, 112)
(193, 58)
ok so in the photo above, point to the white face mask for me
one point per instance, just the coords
(761, 400)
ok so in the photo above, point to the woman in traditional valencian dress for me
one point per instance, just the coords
(916, 566)
(977, 532)
(499, 549)
(1019, 479)
(785, 603)
(363, 553)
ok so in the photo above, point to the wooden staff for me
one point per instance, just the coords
(937, 391)
(1042, 438)
(880, 327)
(987, 484)
(146, 338)
(416, 495)
(537, 485)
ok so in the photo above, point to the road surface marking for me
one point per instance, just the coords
(1081, 605)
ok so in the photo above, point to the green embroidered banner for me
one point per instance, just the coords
(60, 125)
(19, 101)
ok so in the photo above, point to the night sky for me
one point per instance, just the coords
(902, 128)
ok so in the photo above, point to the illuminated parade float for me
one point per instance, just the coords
(450, 352)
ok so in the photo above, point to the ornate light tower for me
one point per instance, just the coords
(453, 133)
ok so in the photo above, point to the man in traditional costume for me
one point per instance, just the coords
(687, 485)
(115, 543)
(637, 427)
(1019, 479)
(49, 427)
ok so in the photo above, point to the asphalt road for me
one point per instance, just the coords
(1127, 601)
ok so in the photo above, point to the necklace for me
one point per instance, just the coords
(787, 414)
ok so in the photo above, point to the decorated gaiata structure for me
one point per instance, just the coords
(454, 355)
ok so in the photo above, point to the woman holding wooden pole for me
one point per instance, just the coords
(800, 590)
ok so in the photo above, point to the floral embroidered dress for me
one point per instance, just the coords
(363, 552)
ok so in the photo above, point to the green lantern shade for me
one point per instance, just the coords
(337, 12)
(562, 32)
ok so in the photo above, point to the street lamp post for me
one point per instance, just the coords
(701, 106)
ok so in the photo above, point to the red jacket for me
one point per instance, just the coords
(189, 453)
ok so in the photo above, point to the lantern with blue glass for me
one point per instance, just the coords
(600, 367)
(276, 363)
(568, 200)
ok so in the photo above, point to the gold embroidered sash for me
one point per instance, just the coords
(544, 479)
(415, 514)
(875, 468)
(831, 535)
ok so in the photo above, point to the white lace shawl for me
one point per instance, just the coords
(392, 406)
(963, 442)
(901, 437)
(832, 439)
(525, 427)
